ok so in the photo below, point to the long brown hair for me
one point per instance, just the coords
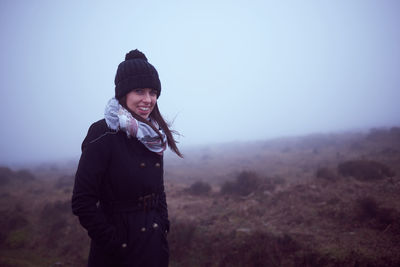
(156, 115)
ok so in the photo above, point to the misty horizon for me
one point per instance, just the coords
(229, 71)
(68, 161)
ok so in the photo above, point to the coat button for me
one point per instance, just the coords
(124, 245)
(142, 164)
(155, 225)
(158, 165)
(143, 229)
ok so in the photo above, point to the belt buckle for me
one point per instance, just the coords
(146, 201)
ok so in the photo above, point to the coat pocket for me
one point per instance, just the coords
(160, 235)
(121, 240)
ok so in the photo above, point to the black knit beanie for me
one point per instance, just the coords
(135, 72)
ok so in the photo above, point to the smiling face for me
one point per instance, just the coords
(141, 101)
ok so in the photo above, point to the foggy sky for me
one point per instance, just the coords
(230, 70)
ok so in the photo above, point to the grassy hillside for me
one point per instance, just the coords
(321, 200)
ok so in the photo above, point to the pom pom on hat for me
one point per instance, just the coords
(135, 54)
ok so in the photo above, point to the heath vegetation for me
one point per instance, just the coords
(320, 200)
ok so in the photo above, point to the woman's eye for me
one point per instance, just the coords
(139, 91)
(153, 92)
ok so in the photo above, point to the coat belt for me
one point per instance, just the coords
(143, 203)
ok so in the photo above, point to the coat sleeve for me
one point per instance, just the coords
(87, 188)
(163, 207)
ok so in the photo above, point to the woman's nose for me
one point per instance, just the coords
(146, 98)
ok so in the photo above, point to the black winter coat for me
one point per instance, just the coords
(115, 171)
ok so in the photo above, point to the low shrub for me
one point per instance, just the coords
(7, 175)
(395, 131)
(246, 182)
(277, 180)
(326, 174)
(190, 245)
(199, 188)
(270, 183)
(180, 239)
(56, 209)
(53, 220)
(64, 182)
(14, 225)
(18, 238)
(260, 249)
(367, 210)
(12, 220)
(24, 175)
(365, 170)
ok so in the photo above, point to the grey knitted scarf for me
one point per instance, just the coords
(118, 118)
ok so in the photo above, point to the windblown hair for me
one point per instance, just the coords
(156, 115)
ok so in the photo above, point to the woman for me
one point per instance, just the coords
(119, 189)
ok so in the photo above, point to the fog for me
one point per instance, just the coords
(230, 70)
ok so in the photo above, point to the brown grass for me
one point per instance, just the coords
(284, 202)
